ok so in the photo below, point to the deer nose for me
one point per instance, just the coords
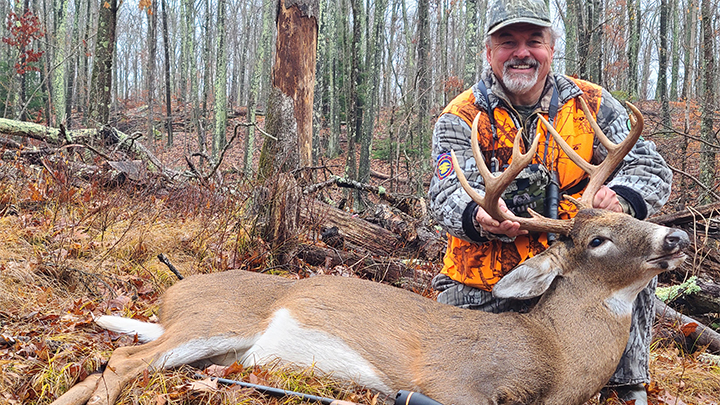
(677, 239)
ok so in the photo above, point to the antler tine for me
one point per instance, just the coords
(495, 186)
(616, 152)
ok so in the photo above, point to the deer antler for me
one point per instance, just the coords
(495, 186)
(616, 152)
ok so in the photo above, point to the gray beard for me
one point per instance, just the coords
(519, 84)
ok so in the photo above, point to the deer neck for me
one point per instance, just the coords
(580, 317)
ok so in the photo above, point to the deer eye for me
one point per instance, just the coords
(596, 242)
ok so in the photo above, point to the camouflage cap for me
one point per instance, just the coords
(507, 12)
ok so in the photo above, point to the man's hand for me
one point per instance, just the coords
(606, 199)
(507, 227)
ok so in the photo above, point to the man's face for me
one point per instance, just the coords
(520, 56)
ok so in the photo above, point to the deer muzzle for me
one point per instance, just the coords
(672, 247)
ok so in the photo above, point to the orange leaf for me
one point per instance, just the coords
(35, 193)
(688, 328)
(106, 4)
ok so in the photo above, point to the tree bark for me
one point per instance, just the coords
(150, 69)
(168, 84)
(219, 140)
(689, 45)
(707, 154)
(661, 93)
(59, 63)
(99, 109)
(633, 51)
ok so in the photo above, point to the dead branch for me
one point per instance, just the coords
(394, 199)
(696, 181)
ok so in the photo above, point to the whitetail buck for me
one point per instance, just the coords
(561, 352)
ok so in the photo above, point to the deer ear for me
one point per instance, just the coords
(530, 279)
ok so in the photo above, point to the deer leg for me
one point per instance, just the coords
(124, 365)
(170, 350)
(79, 393)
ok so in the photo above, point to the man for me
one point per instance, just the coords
(517, 87)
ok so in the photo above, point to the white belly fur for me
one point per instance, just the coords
(286, 339)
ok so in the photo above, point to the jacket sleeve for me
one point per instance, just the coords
(643, 179)
(450, 205)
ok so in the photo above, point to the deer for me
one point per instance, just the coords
(387, 339)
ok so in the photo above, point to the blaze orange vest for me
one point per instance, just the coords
(482, 265)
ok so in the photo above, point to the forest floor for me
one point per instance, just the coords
(71, 249)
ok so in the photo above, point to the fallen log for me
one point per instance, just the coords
(700, 336)
(89, 137)
(375, 268)
(688, 215)
(365, 237)
(356, 232)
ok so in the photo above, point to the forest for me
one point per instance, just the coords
(143, 141)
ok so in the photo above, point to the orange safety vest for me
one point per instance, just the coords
(482, 265)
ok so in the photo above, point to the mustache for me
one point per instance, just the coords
(522, 61)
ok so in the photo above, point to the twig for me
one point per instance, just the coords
(698, 182)
(222, 153)
(163, 259)
(254, 124)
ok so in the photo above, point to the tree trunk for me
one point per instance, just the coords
(262, 54)
(59, 63)
(474, 45)
(661, 93)
(74, 62)
(595, 51)
(103, 66)
(423, 91)
(707, 153)
(150, 69)
(675, 64)
(375, 51)
(572, 21)
(168, 84)
(689, 44)
(633, 51)
(289, 115)
(207, 55)
(219, 140)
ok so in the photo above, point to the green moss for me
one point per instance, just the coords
(670, 293)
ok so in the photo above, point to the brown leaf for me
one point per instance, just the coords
(205, 385)
(160, 400)
(688, 328)
(668, 398)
